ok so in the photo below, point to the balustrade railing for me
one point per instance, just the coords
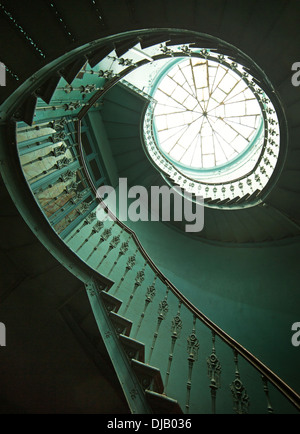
(139, 302)
(49, 157)
(191, 351)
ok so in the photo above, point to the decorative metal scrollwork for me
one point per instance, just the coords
(123, 250)
(131, 262)
(192, 350)
(240, 397)
(163, 309)
(140, 276)
(150, 294)
(193, 346)
(112, 245)
(129, 265)
(214, 370)
(176, 326)
(214, 373)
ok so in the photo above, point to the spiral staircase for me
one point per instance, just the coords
(93, 324)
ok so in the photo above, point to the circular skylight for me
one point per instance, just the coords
(206, 116)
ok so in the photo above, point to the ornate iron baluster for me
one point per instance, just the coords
(122, 61)
(214, 373)
(240, 397)
(266, 390)
(63, 178)
(81, 209)
(108, 74)
(163, 309)
(53, 139)
(130, 264)
(164, 49)
(123, 250)
(84, 90)
(70, 106)
(150, 294)
(139, 278)
(92, 72)
(88, 220)
(60, 164)
(59, 124)
(96, 228)
(56, 152)
(104, 237)
(192, 349)
(39, 124)
(71, 188)
(176, 331)
(112, 245)
(79, 195)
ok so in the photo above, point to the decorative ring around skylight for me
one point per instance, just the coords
(211, 128)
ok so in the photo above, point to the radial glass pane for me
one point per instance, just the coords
(206, 115)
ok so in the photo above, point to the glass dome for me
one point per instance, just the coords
(206, 116)
(210, 127)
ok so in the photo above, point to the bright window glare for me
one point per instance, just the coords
(206, 115)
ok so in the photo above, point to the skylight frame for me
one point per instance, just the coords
(243, 182)
(178, 96)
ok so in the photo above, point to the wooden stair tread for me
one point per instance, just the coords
(112, 303)
(122, 325)
(162, 404)
(149, 376)
(134, 349)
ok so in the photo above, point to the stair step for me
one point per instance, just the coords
(70, 72)
(211, 201)
(253, 195)
(203, 43)
(148, 41)
(162, 404)
(149, 376)
(111, 303)
(122, 325)
(46, 91)
(234, 200)
(224, 201)
(122, 47)
(176, 39)
(96, 56)
(26, 112)
(244, 198)
(134, 349)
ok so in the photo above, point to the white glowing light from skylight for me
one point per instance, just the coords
(206, 114)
